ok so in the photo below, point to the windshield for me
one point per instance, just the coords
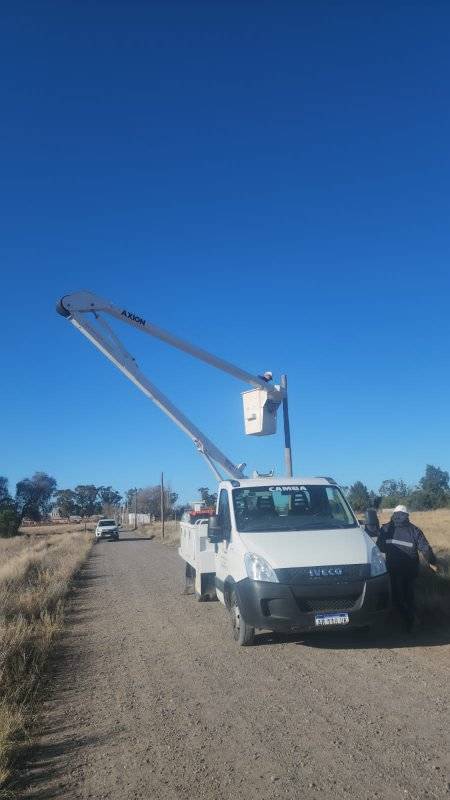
(291, 508)
(104, 522)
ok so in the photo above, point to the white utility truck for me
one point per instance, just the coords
(281, 553)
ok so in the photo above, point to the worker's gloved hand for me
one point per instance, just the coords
(434, 567)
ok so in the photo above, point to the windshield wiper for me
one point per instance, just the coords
(325, 526)
(310, 527)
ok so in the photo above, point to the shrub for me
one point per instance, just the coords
(9, 522)
(426, 500)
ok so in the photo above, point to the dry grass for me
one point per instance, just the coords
(35, 575)
(171, 532)
(57, 527)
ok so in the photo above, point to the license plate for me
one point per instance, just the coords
(332, 619)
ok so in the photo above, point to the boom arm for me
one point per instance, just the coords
(76, 307)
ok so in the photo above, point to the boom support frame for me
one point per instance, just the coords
(80, 306)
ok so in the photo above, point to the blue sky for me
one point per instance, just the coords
(269, 180)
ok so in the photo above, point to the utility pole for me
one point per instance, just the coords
(135, 508)
(287, 429)
(162, 504)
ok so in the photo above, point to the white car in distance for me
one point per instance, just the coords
(107, 529)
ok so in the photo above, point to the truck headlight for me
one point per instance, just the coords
(258, 569)
(377, 563)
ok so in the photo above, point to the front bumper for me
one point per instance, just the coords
(111, 534)
(284, 607)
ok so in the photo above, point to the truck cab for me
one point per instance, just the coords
(287, 555)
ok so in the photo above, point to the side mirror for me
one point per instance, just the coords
(215, 533)
(372, 517)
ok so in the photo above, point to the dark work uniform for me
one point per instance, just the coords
(402, 541)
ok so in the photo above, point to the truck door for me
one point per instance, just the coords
(223, 513)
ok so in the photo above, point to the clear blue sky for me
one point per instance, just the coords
(270, 180)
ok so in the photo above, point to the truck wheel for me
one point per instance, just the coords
(243, 634)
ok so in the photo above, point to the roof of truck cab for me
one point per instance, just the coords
(277, 480)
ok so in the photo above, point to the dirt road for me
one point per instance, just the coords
(151, 698)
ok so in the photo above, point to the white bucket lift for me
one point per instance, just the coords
(86, 311)
(260, 413)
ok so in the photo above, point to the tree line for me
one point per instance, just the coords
(432, 491)
(35, 498)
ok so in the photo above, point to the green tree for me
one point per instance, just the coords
(433, 490)
(110, 500)
(6, 500)
(394, 492)
(359, 497)
(435, 480)
(66, 503)
(435, 483)
(9, 522)
(34, 496)
(9, 518)
(420, 500)
(108, 496)
(209, 498)
(4, 494)
(86, 498)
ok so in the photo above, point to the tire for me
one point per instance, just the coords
(243, 634)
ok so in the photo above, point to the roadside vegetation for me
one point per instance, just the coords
(432, 491)
(153, 530)
(35, 576)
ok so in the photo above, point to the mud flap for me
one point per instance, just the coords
(205, 586)
(189, 581)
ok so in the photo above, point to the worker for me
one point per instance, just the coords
(402, 541)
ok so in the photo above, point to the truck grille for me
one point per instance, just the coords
(344, 603)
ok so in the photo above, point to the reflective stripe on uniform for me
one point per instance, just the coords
(399, 541)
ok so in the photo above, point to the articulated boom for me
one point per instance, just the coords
(84, 310)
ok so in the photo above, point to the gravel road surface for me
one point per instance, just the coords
(151, 698)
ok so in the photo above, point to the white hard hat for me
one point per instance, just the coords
(401, 508)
